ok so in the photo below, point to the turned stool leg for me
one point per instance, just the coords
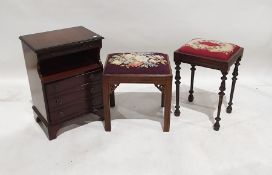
(106, 94)
(191, 96)
(112, 99)
(177, 82)
(234, 78)
(221, 95)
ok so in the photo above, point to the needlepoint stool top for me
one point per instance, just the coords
(209, 48)
(137, 63)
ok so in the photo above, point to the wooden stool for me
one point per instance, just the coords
(210, 54)
(150, 68)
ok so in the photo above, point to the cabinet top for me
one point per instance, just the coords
(58, 38)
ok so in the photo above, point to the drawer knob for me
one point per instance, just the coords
(55, 87)
(59, 101)
(61, 113)
(52, 54)
(92, 90)
(91, 76)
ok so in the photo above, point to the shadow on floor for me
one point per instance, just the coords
(77, 122)
(205, 102)
(138, 105)
(146, 105)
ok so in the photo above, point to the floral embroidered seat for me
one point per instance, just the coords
(137, 63)
(209, 48)
(137, 67)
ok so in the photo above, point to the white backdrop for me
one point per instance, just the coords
(242, 146)
(141, 25)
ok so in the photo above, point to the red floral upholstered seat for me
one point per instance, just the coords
(209, 48)
(137, 63)
(210, 54)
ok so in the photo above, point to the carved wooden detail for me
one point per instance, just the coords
(160, 87)
(113, 87)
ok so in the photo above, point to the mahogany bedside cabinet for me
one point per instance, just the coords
(65, 75)
(211, 54)
(138, 67)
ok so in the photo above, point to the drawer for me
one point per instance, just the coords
(73, 82)
(79, 107)
(90, 88)
(70, 111)
(65, 99)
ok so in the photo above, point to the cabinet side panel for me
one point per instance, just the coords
(35, 84)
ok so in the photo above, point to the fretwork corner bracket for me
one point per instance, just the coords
(113, 87)
(160, 87)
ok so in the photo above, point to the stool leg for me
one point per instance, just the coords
(162, 99)
(106, 94)
(177, 82)
(167, 108)
(221, 95)
(234, 78)
(112, 99)
(191, 96)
